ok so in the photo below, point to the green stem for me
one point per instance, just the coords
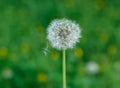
(64, 68)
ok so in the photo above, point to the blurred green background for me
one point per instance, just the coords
(93, 63)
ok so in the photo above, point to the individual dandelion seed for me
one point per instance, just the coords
(46, 50)
(63, 34)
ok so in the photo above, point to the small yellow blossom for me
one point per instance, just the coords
(3, 51)
(13, 57)
(112, 49)
(55, 54)
(40, 29)
(100, 4)
(104, 37)
(82, 71)
(24, 48)
(42, 77)
(78, 52)
(69, 3)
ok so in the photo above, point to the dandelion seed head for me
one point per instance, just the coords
(63, 33)
(7, 73)
(92, 67)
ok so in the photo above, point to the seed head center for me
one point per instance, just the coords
(63, 33)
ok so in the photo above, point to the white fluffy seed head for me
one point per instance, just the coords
(92, 67)
(63, 33)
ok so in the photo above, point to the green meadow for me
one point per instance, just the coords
(27, 59)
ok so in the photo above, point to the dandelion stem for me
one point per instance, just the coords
(64, 68)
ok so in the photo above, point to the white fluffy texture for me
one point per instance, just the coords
(63, 33)
(7, 73)
(92, 67)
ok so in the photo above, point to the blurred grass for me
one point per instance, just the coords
(23, 26)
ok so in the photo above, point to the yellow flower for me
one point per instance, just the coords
(40, 29)
(69, 3)
(3, 51)
(42, 77)
(78, 52)
(13, 57)
(82, 71)
(24, 48)
(100, 4)
(55, 54)
(112, 49)
(103, 37)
